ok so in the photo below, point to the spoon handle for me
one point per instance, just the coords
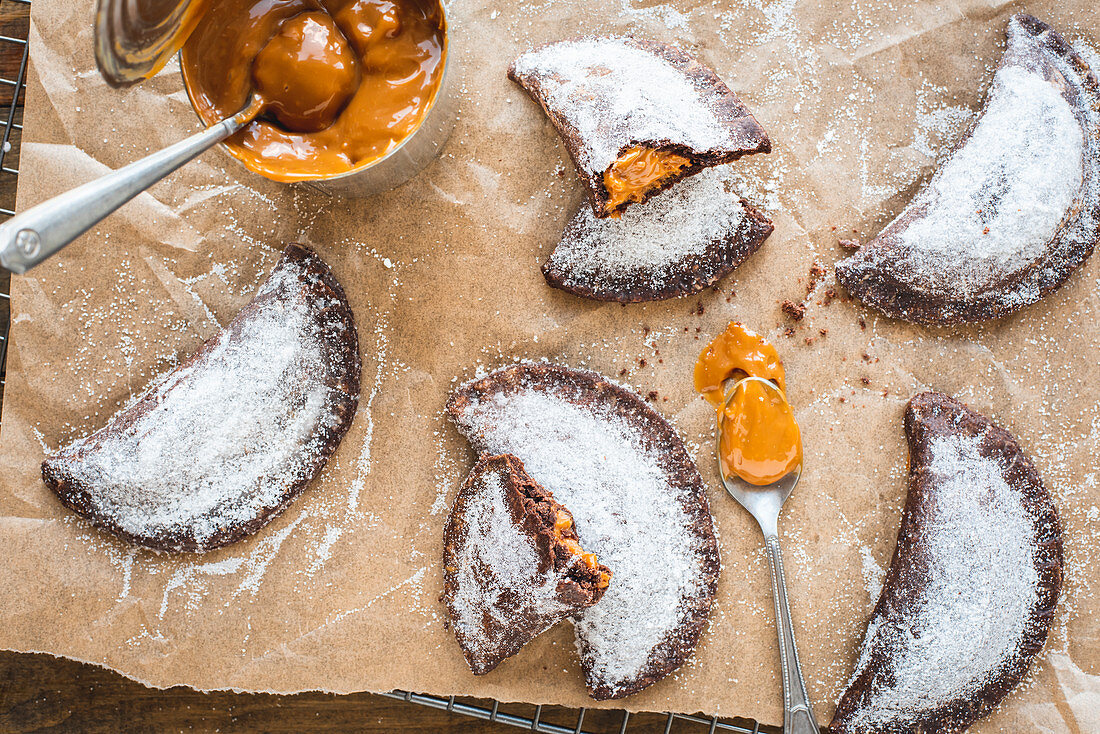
(798, 716)
(32, 236)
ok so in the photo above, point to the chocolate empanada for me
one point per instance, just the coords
(636, 116)
(971, 591)
(512, 563)
(640, 506)
(678, 243)
(1013, 211)
(216, 448)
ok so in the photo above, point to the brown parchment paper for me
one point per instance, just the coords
(341, 592)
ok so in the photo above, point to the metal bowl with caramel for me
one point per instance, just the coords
(368, 103)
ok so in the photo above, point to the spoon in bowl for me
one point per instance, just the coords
(302, 54)
(764, 502)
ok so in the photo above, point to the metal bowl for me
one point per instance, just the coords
(409, 157)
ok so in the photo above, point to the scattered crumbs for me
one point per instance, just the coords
(793, 310)
(817, 274)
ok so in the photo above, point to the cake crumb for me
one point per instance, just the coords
(793, 310)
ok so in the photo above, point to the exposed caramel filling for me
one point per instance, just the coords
(564, 522)
(347, 80)
(760, 439)
(638, 171)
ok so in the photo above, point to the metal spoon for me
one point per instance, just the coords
(32, 236)
(764, 504)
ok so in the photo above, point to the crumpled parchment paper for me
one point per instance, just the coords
(341, 592)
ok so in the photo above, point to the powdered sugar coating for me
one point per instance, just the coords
(1014, 209)
(973, 585)
(998, 201)
(627, 510)
(615, 94)
(697, 231)
(973, 607)
(228, 438)
(498, 576)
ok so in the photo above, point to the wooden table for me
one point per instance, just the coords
(14, 22)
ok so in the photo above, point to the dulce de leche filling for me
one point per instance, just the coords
(344, 81)
(306, 73)
(736, 352)
(636, 172)
(760, 440)
(564, 522)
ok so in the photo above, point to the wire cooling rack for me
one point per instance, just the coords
(541, 719)
(557, 720)
(11, 93)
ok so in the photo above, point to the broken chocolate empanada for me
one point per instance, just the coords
(640, 506)
(680, 242)
(971, 591)
(1013, 211)
(512, 564)
(636, 116)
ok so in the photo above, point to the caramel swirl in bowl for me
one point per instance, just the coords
(370, 71)
(307, 73)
